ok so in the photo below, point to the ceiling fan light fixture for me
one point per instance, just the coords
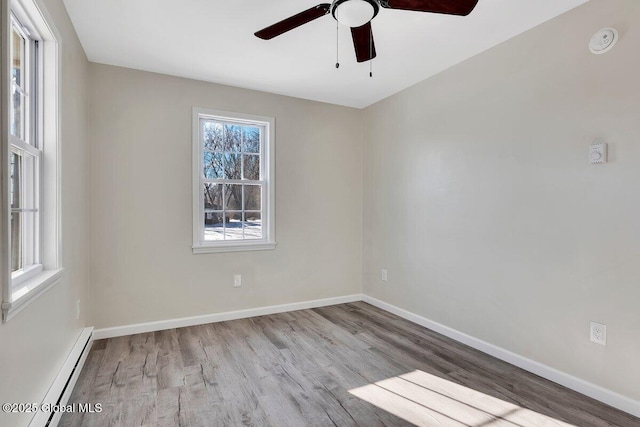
(354, 13)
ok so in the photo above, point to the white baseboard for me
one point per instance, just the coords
(62, 386)
(139, 328)
(581, 386)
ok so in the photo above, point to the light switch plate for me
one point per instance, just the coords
(598, 153)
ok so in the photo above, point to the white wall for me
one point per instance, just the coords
(479, 199)
(36, 342)
(142, 266)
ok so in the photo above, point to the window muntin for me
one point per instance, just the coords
(234, 185)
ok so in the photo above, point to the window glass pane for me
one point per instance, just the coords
(28, 224)
(252, 197)
(233, 226)
(17, 79)
(17, 55)
(15, 181)
(233, 197)
(213, 165)
(232, 137)
(232, 166)
(252, 225)
(16, 241)
(251, 139)
(17, 114)
(251, 166)
(213, 197)
(28, 199)
(211, 135)
(213, 226)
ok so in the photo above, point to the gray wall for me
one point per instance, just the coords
(36, 342)
(142, 266)
(479, 199)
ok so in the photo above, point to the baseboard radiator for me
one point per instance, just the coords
(60, 391)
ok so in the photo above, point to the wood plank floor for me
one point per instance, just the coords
(344, 365)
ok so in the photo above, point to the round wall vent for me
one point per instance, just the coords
(603, 41)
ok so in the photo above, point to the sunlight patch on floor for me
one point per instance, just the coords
(427, 400)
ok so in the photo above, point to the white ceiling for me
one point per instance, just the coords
(213, 40)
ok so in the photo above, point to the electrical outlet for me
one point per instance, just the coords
(237, 280)
(78, 310)
(384, 275)
(598, 333)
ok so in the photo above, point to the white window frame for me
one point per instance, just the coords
(45, 270)
(267, 179)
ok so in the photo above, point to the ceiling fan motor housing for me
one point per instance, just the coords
(354, 13)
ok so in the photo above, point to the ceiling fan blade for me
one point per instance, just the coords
(363, 42)
(450, 7)
(293, 21)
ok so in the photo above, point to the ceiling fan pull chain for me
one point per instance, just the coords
(337, 33)
(370, 51)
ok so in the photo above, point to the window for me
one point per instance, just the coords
(32, 157)
(24, 157)
(233, 182)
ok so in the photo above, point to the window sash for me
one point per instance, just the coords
(243, 211)
(26, 212)
(28, 85)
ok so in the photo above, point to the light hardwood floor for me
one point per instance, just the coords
(344, 365)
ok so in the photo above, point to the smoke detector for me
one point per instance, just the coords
(603, 41)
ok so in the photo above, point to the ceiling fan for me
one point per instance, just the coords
(357, 14)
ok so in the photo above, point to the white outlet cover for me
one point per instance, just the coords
(384, 276)
(237, 280)
(598, 333)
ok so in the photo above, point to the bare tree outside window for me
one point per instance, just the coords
(232, 187)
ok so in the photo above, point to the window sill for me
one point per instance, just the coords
(238, 247)
(29, 291)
